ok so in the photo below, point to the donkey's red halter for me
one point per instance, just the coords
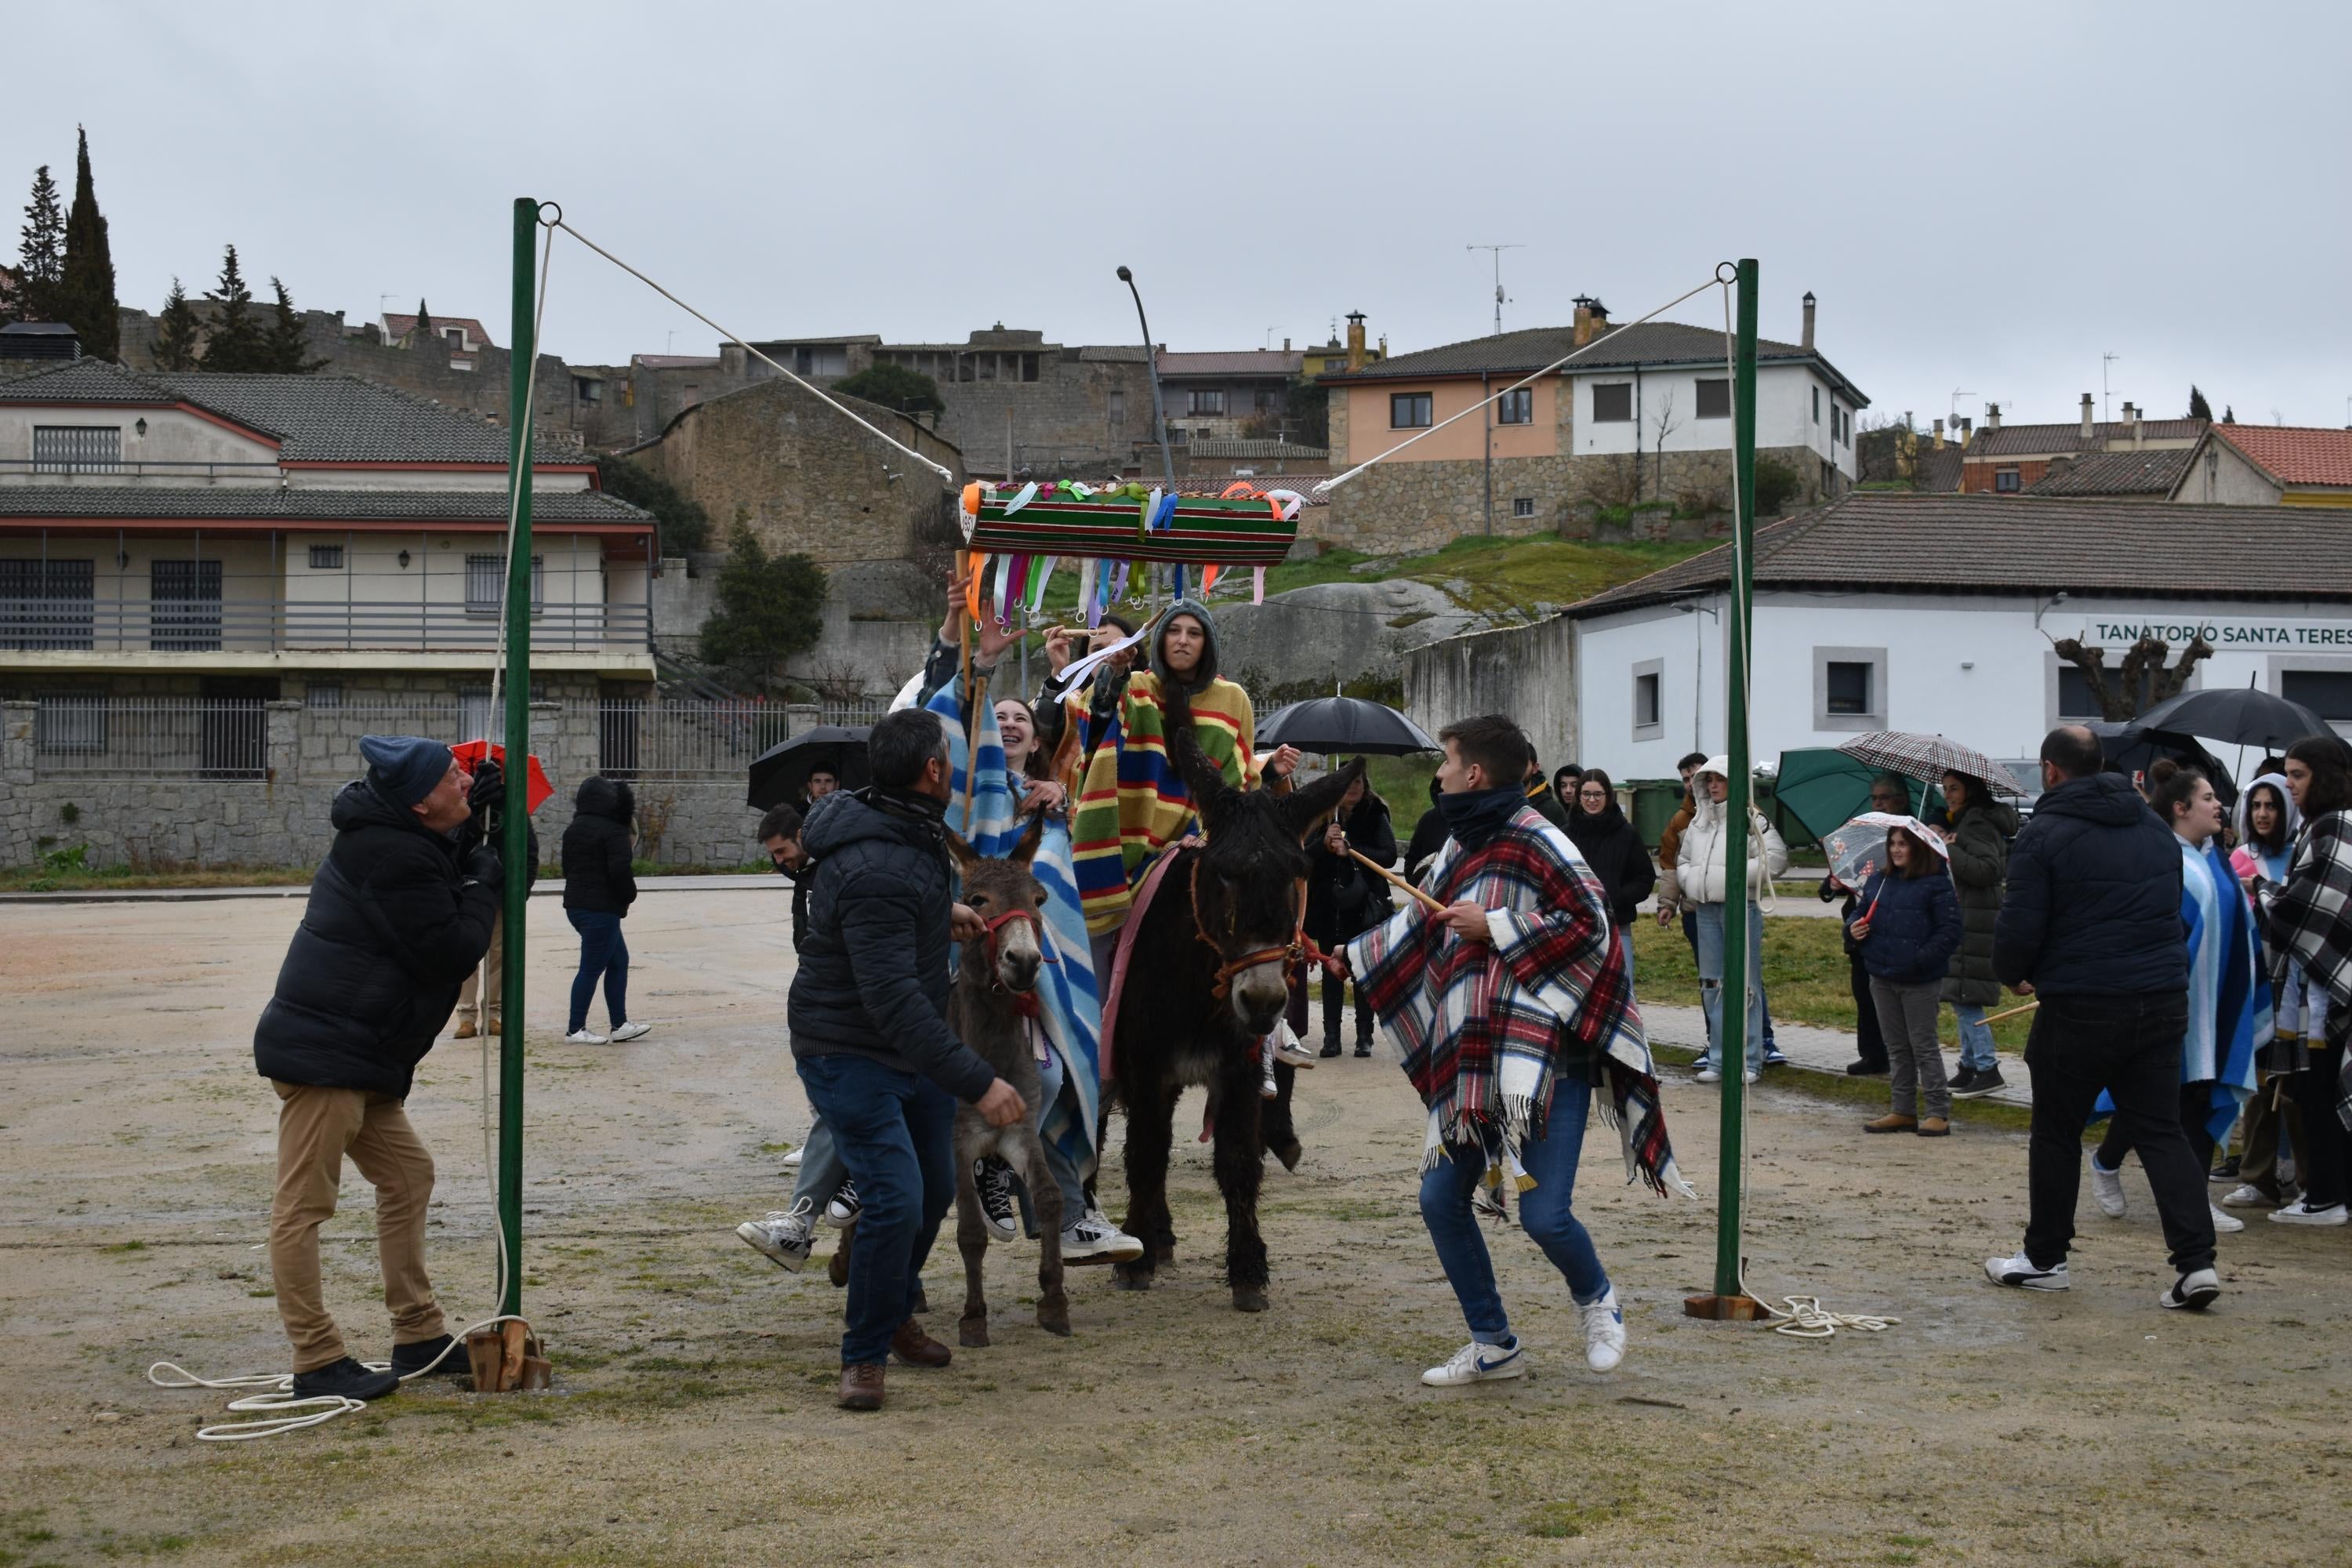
(1293, 952)
(1025, 1003)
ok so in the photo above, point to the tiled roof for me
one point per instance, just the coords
(1113, 354)
(1937, 473)
(2027, 440)
(1989, 543)
(2294, 454)
(270, 503)
(2117, 474)
(400, 327)
(674, 362)
(1618, 348)
(1239, 361)
(314, 419)
(1255, 449)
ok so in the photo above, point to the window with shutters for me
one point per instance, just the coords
(77, 448)
(485, 584)
(46, 604)
(183, 610)
(1714, 398)
(1613, 404)
(325, 558)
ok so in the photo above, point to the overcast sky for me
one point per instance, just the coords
(1985, 198)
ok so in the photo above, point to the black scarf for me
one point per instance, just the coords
(1588, 829)
(1475, 817)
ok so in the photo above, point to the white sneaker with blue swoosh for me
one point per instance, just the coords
(1477, 1363)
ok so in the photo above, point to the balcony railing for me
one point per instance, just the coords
(52, 624)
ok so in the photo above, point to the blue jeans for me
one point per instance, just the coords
(1975, 1036)
(1710, 984)
(896, 1132)
(1066, 1174)
(1544, 1212)
(822, 1170)
(602, 952)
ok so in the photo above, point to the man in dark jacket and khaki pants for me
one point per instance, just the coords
(398, 916)
(870, 1037)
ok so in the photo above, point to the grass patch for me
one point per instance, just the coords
(122, 878)
(125, 1247)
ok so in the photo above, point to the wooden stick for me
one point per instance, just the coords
(2013, 1012)
(1427, 902)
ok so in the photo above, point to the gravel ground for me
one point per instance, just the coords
(692, 1420)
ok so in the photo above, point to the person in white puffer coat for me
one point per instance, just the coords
(1703, 881)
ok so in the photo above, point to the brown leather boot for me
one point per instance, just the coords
(465, 1029)
(1893, 1121)
(1933, 1127)
(861, 1387)
(916, 1348)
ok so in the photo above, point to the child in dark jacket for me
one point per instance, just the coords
(1908, 926)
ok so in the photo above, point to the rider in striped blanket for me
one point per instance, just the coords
(1510, 1008)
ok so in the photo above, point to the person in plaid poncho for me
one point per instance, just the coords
(1510, 1008)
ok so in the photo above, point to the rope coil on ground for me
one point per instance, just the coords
(273, 1398)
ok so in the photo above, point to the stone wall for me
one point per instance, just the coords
(1527, 673)
(1407, 507)
(281, 817)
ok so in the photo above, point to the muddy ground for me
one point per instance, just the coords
(693, 1421)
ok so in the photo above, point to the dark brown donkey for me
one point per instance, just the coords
(992, 1009)
(1208, 978)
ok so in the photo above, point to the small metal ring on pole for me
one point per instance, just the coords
(1727, 272)
(547, 222)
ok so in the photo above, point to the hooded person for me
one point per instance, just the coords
(1133, 802)
(2268, 823)
(599, 886)
(1703, 882)
(397, 917)
(1977, 835)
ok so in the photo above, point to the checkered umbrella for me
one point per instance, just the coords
(1929, 758)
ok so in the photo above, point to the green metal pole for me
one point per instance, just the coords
(1732, 1037)
(516, 849)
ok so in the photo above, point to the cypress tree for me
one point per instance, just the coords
(41, 251)
(2229, 414)
(86, 290)
(421, 332)
(236, 342)
(284, 349)
(2198, 407)
(177, 330)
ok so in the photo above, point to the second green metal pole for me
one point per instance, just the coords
(515, 849)
(1732, 1036)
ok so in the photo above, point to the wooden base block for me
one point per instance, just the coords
(1723, 1308)
(484, 1352)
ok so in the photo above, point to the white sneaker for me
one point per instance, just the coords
(2193, 1291)
(999, 1208)
(2107, 1186)
(630, 1032)
(842, 1212)
(2225, 1223)
(1604, 1332)
(1751, 1076)
(2304, 1214)
(1475, 1363)
(2245, 1197)
(1288, 1047)
(1092, 1239)
(792, 1159)
(2019, 1274)
(582, 1037)
(785, 1237)
(1708, 1075)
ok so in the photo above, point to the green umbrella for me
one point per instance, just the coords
(1820, 788)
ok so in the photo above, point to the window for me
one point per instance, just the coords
(1613, 404)
(589, 390)
(1650, 699)
(1523, 506)
(1117, 412)
(184, 612)
(1028, 367)
(325, 558)
(485, 584)
(1269, 399)
(1817, 406)
(1516, 407)
(2074, 700)
(1411, 410)
(1207, 401)
(46, 604)
(323, 694)
(456, 336)
(1714, 398)
(77, 448)
(65, 726)
(1849, 688)
(2327, 692)
(2005, 479)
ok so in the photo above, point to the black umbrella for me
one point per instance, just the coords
(2239, 715)
(1334, 724)
(779, 775)
(2134, 746)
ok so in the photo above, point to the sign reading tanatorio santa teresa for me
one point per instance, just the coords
(2121, 631)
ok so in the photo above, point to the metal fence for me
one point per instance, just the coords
(686, 740)
(150, 737)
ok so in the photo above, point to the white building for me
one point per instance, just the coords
(1939, 614)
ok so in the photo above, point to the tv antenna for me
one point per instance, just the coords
(1958, 393)
(2104, 360)
(1499, 300)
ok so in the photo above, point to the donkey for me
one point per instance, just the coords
(992, 1009)
(1209, 977)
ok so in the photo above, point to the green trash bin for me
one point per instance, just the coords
(1655, 801)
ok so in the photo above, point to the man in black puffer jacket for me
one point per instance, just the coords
(2091, 925)
(870, 1037)
(393, 925)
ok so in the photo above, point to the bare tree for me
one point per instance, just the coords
(2143, 669)
(1665, 425)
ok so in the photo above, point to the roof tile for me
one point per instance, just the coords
(2294, 454)
(1648, 344)
(2117, 474)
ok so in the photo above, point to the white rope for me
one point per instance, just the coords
(1806, 1318)
(273, 1396)
(1338, 480)
(814, 391)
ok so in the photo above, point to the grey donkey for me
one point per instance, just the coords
(992, 1009)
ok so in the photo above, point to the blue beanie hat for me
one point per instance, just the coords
(403, 769)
